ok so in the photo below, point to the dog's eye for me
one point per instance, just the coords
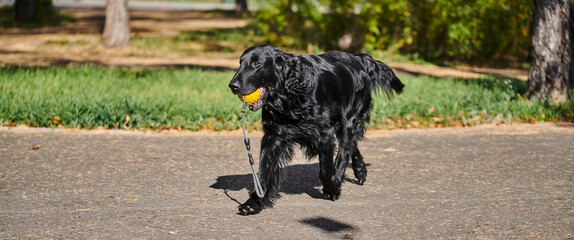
(255, 64)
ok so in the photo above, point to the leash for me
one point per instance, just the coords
(258, 188)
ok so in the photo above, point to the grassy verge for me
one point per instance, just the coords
(435, 102)
(193, 99)
(89, 97)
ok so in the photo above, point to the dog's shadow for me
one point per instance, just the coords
(297, 179)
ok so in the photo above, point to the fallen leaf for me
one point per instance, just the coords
(478, 117)
(390, 150)
(125, 126)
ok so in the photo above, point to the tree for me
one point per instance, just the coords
(24, 11)
(241, 7)
(475, 31)
(117, 24)
(551, 67)
(39, 12)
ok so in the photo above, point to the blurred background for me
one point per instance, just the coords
(478, 32)
(426, 41)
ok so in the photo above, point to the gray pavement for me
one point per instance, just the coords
(489, 182)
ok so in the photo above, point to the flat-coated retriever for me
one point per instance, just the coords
(309, 100)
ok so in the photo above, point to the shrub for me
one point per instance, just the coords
(469, 30)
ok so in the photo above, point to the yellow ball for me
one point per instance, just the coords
(252, 97)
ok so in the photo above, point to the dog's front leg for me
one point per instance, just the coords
(275, 152)
(253, 205)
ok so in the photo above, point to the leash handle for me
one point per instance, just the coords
(256, 182)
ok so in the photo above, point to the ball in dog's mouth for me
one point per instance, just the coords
(254, 99)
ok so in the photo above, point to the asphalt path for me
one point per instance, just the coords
(489, 182)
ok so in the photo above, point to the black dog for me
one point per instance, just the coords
(308, 100)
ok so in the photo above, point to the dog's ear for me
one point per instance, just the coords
(280, 64)
(288, 74)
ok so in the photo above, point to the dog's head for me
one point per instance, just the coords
(258, 70)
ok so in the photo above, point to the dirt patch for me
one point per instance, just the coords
(460, 72)
(80, 42)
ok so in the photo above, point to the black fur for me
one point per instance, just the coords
(311, 101)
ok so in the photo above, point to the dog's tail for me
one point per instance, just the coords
(381, 76)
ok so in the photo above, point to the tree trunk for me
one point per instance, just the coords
(24, 11)
(551, 70)
(117, 25)
(241, 7)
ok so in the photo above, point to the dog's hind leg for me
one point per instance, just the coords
(359, 167)
(341, 161)
(331, 188)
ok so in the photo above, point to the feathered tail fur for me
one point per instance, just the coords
(383, 76)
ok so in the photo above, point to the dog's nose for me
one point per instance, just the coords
(234, 86)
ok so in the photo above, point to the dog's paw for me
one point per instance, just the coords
(252, 206)
(361, 175)
(332, 194)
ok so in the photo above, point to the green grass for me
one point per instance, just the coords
(435, 102)
(193, 99)
(89, 97)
